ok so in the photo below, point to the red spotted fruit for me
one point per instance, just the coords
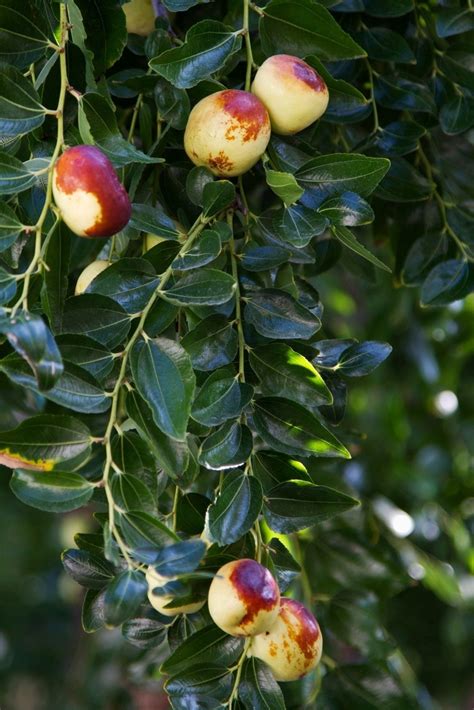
(293, 93)
(139, 17)
(294, 644)
(92, 201)
(159, 601)
(227, 132)
(244, 598)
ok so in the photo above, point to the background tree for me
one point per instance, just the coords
(200, 381)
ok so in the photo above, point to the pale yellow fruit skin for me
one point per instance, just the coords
(139, 17)
(294, 644)
(293, 93)
(89, 274)
(151, 240)
(79, 209)
(227, 132)
(237, 608)
(159, 602)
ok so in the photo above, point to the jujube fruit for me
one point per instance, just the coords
(292, 647)
(92, 201)
(244, 598)
(139, 17)
(227, 132)
(88, 275)
(159, 602)
(292, 92)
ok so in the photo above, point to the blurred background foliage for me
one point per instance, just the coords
(413, 446)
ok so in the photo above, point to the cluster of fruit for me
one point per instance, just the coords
(244, 600)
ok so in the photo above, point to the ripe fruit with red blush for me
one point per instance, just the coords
(89, 274)
(92, 201)
(292, 647)
(139, 17)
(244, 598)
(293, 93)
(227, 132)
(160, 601)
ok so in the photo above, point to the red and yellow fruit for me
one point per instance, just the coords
(92, 201)
(292, 92)
(139, 17)
(292, 647)
(244, 598)
(227, 132)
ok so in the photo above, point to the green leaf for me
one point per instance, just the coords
(75, 389)
(447, 282)
(275, 314)
(346, 103)
(203, 680)
(337, 173)
(288, 427)
(103, 128)
(87, 569)
(216, 196)
(385, 45)
(164, 377)
(396, 92)
(362, 358)
(173, 104)
(7, 286)
(207, 47)
(46, 442)
(92, 616)
(182, 5)
(145, 534)
(211, 344)
(284, 185)
(403, 183)
(399, 138)
(207, 287)
(20, 108)
(388, 8)
(87, 353)
(10, 226)
(235, 509)
(55, 284)
(272, 468)
(123, 597)
(454, 21)
(228, 447)
(263, 258)
(205, 250)
(301, 27)
(23, 33)
(32, 340)
(98, 317)
(153, 220)
(131, 493)
(129, 282)
(221, 397)
(284, 372)
(204, 645)
(346, 237)
(294, 226)
(181, 558)
(365, 687)
(258, 690)
(146, 631)
(172, 456)
(53, 492)
(106, 32)
(15, 176)
(348, 210)
(283, 565)
(296, 505)
(191, 512)
(79, 38)
(457, 116)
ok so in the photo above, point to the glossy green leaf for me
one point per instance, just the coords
(55, 285)
(129, 282)
(145, 534)
(296, 505)
(301, 27)
(164, 377)
(53, 492)
(123, 597)
(348, 239)
(87, 353)
(388, 8)
(337, 173)
(235, 509)
(202, 253)
(23, 33)
(87, 569)
(398, 93)
(147, 631)
(399, 138)
(275, 314)
(15, 176)
(211, 344)
(349, 210)
(106, 34)
(207, 47)
(204, 645)
(20, 107)
(131, 493)
(457, 115)
(203, 680)
(207, 287)
(403, 183)
(258, 690)
(10, 226)
(7, 286)
(153, 220)
(272, 468)
(385, 45)
(362, 358)
(288, 427)
(454, 20)
(228, 447)
(262, 258)
(216, 196)
(284, 185)
(98, 317)
(180, 558)
(447, 282)
(221, 397)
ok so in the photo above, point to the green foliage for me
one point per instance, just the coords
(196, 387)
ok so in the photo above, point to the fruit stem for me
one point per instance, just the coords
(248, 45)
(59, 112)
(193, 233)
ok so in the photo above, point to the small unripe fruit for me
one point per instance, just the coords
(227, 132)
(139, 17)
(92, 201)
(294, 644)
(244, 598)
(159, 602)
(89, 274)
(293, 93)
